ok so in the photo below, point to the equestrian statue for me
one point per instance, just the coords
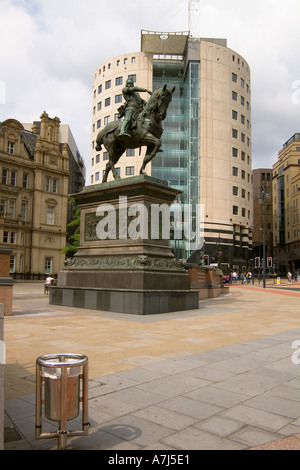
(140, 127)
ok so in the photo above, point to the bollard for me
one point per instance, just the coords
(61, 385)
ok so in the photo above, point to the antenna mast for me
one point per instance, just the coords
(193, 6)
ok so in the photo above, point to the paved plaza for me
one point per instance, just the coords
(224, 376)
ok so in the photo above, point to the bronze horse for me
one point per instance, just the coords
(146, 131)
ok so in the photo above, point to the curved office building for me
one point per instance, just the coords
(206, 140)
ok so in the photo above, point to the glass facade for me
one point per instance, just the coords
(179, 162)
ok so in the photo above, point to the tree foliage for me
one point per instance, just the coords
(73, 231)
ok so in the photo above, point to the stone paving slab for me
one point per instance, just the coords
(162, 389)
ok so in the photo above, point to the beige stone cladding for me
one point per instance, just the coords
(34, 195)
(109, 79)
(225, 142)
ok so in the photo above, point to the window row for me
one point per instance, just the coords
(235, 154)
(235, 135)
(235, 172)
(10, 177)
(242, 81)
(242, 118)
(118, 82)
(129, 171)
(97, 159)
(236, 191)
(235, 96)
(118, 63)
(236, 210)
(48, 263)
(8, 209)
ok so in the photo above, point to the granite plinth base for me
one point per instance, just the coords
(136, 302)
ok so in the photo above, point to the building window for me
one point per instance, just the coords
(130, 153)
(242, 83)
(12, 209)
(4, 176)
(98, 158)
(234, 96)
(243, 193)
(235, 210)
(99, 89)
(235, 152)
(243, 137)
(133, 60)
(106, 120)
(129, 170)
(118, 171)
(132, 77)
(13, 178)
(24, 207)
(99, 106)
(242, 101)
(235, 171)
(9, 237)
(119, 81)
(97, 176)
(107, 102)
(98, 123)
(55, 185)
(48, 265)
(51, 185)
(25, 180)
(107, 84)
(243, 212)
(243, 174)
(105, 156)
(50, 215)
(234, 133)
(234, 77)
(12, 264)
(118, 98)
(235, 190)
(11, 148)
(2, 207)
(234, 115)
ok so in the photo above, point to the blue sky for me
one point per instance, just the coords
(51, 48)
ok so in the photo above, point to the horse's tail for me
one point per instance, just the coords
(99, 141)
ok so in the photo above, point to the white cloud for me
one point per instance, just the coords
(51, 48)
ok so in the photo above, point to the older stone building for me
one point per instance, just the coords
(286, 203)
(35, 175)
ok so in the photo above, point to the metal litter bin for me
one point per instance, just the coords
(61, 387)
(53, 392)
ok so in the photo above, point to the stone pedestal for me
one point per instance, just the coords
(6, 282)
(207, 281)
(124, 262)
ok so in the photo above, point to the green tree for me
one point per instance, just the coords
(73, 231)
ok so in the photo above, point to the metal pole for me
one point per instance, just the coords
(264, 238)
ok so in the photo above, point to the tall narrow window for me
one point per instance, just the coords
(11, 148)
(48, 265)
(13, 178)
(50, 215)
